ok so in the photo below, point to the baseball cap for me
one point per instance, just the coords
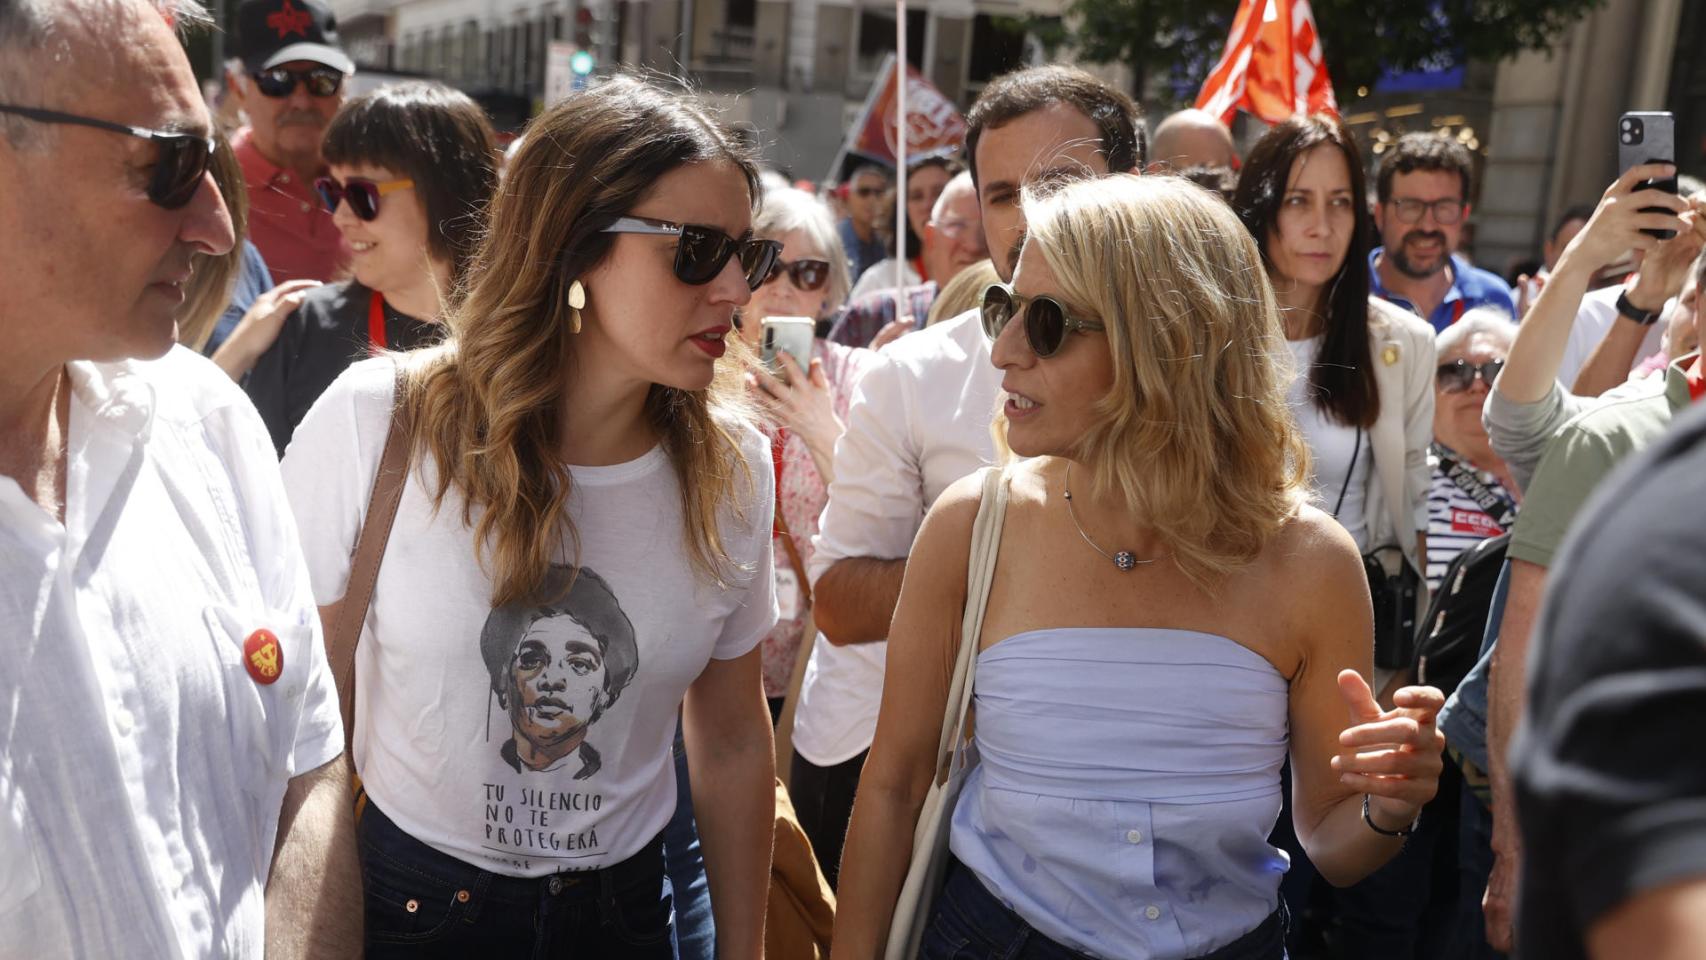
(271, 32)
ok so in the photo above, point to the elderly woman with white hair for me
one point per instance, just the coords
(807, 407)
(1473, 494)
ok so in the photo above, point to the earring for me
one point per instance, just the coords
(577, 300)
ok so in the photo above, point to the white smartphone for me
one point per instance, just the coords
(790, 335)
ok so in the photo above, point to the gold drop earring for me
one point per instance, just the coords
(577, 300)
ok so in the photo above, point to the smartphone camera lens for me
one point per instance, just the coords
(1633, 131)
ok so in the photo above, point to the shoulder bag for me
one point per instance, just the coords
(926, 873)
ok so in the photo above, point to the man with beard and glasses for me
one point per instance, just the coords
(288, 80)
(1423, 189)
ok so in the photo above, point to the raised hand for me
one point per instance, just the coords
(1617, 222)
(1394, 755)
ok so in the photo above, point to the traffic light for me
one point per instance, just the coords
(580, 62)
(583, 27)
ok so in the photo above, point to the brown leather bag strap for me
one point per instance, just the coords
(387, 493)
(793, 553)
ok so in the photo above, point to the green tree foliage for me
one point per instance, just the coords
(1362, 38)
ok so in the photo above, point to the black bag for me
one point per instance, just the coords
(1394, 597)
(1457, 618)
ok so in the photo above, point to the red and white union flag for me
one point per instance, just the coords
(1273, 67)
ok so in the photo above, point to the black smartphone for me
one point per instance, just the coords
(1648, 136)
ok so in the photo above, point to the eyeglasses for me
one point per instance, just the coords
(279, 82)
(806, 274)
(360, 193)
(1459, 375)
(1446, 212)
(953, 229)
(702, 252)
(1046, 322)
(178, 172)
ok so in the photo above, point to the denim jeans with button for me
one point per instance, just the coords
(967, 921)
(420, 903)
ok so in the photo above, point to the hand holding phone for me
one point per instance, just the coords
(790, 335)
(1648, 136)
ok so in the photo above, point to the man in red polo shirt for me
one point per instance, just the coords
(290, 84)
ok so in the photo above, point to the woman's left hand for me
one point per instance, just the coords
(1394, 756)
(801, 402)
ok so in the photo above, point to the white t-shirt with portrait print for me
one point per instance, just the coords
(533, 738)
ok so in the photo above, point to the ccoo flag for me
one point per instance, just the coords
(1273, 66)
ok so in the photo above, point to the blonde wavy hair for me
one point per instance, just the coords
(485, 405)
(1195, 434)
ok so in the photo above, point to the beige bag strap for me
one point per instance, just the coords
(980, 574)
(344, 632)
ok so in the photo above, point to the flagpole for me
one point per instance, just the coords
(901, 308)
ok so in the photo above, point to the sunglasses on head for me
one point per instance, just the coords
(360, 193)
(183, 160)
(1459, 375)
(701, 252)
(280, 82)
(1046, 322)
(806, 274)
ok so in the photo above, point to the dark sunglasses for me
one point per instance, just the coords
(279, 82)
(701, 252)
(1046, 322)
(361, 194)
(1459, 375)
(806, 274)
(178, 172)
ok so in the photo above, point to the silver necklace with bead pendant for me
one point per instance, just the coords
(1123, 559)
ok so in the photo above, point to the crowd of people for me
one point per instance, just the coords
(435, 545)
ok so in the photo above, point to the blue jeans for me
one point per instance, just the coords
(420, 903)
(695, 928)
(967, 921)
(1474, 866)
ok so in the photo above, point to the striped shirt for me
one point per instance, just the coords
(1455, 521)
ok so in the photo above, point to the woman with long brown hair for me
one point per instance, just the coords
(1361, 388)
(581, 551)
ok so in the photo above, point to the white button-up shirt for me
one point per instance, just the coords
(142, 767)
(920, 421)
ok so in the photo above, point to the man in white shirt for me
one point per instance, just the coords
(919, 421)
(170, 773)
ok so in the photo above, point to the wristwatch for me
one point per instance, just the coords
(1377, 828)
(1633, 312)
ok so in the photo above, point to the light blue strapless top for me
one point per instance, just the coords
(1127, 784)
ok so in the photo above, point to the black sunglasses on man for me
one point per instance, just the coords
(183, 162)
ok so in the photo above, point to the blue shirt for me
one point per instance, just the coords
(1127, 781)
(860, 253)
(253, 281)
(1471, 287)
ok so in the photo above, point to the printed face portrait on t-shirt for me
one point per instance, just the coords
(556, 667)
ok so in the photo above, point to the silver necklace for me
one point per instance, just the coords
(1124, 559)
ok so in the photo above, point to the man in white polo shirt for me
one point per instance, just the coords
(170, 781)
(919, 421)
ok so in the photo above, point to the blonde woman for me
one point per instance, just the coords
(582, 550)
(1167, 621)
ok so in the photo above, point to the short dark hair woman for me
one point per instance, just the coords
(412, 167)
(580, 414)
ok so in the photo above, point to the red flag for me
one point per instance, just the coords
(933, 124)
(1273, 66)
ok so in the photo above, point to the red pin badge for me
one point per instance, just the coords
(263, 656)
